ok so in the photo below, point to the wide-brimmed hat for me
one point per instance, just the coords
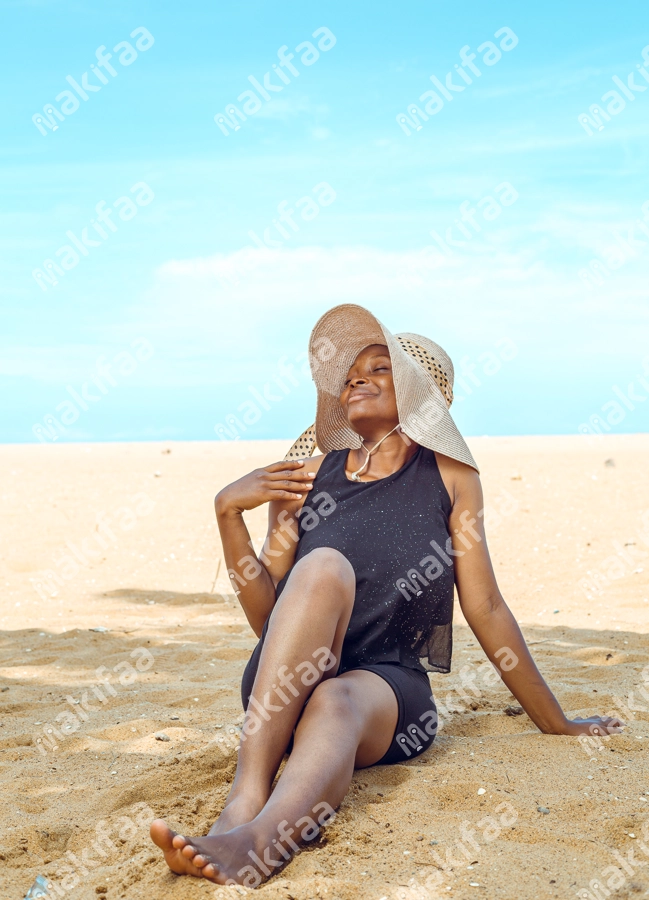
(423, 383)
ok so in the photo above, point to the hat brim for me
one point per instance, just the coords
(336, 340)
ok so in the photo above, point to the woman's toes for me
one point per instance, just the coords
(162, 835)
(179, 842)
(210, 871)
(199, 861)
(189, 851)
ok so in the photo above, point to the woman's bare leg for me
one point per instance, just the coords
(312, 612)
(349, 722)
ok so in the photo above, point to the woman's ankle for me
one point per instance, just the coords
(249, 793)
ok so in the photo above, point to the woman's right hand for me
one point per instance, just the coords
(287, 480)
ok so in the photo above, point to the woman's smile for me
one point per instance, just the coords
(360, 395)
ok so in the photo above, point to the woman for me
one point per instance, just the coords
(352, 596)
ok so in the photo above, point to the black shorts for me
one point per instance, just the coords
(417, 722)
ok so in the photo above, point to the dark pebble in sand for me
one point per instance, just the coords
(513, 711)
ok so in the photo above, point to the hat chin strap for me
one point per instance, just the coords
(355, 476)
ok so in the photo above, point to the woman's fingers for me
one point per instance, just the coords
(284, 474)
(613, 724)
(598, 726)
(289, 486)
(284, 495)
(285, 480)
(286, 464)
(604, 725)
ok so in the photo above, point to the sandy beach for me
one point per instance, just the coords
(112, 580)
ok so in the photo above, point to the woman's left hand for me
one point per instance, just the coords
(598, 726)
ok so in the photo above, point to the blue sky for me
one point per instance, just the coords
(220, 319)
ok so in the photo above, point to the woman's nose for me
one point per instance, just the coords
(360, 379)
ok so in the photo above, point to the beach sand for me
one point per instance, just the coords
(147, 578)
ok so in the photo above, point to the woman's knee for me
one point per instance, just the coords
(324, 565)
(334, 698)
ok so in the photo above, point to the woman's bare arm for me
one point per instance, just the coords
(490, 618)
(284, 486)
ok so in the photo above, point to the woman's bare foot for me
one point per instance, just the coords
(171, 845)
(242, 856)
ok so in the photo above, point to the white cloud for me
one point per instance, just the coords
(254, 305)
(229, 318)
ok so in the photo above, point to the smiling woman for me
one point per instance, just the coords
(400, 478)
(361, 388)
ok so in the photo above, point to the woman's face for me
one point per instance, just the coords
(368, 398)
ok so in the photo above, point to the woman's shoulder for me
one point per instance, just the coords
(314, 462)
(457, 476)
(327, 464)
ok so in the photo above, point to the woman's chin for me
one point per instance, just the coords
(365, 420)
(358, 417)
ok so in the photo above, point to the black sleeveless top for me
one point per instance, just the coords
(395, 534)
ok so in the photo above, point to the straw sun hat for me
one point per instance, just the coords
(423, 383)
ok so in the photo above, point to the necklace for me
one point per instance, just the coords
(355, 476)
